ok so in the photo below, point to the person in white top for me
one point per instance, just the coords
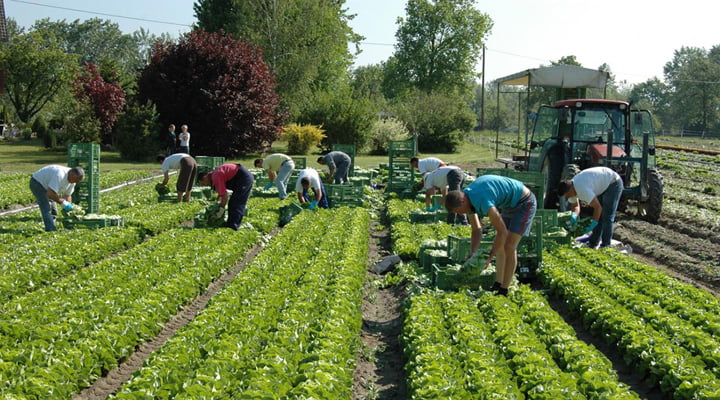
(601, 189)
(426, 165)
(186, 177)
(184, 138)
(54, 184)
(444, 179)
(310, 179)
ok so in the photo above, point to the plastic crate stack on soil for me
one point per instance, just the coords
(87, 191)
(345, 195)
(401, 175)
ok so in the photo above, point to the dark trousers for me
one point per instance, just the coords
(323, 203)
(241, 186)
(455, 180)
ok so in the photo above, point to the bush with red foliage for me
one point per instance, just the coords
(220, 87)
(107, 99)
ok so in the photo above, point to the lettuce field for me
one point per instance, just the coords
(158, 309)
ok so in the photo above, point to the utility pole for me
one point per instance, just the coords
(482, 92)
(3, 38)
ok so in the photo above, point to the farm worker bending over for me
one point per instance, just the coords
(310, 179)
(236, 178)
(445, 179)
(510, 207)
(54, 184)
(600, 188)
(278, 166)
(188, 169)
(339, 164)
(426, 165)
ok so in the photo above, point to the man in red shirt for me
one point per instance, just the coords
(236, 178)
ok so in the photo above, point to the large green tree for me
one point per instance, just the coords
(305, 42)
(439, 43)
(36, 69)
(693, 75)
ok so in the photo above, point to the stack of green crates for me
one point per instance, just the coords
(208, 163)
(401, 175)
(344, 195)
(300, 162)
(348, 149)
(87, 191)
(535, 181)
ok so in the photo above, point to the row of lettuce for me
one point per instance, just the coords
(475, 345)
(76, 303)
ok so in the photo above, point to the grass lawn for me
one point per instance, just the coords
(27, 156)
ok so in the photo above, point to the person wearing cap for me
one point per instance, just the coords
(310, 179)
(186, 177)
(510, 206)
(426, 165)
(339, 165)
(232, 177)
(444, 179)
(601, 189)
(51, 185)
(278, 167)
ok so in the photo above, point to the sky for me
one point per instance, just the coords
(636, 38)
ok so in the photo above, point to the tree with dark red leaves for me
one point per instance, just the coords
(106, 99)
(220, 87)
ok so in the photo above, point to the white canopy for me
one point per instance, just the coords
(558, 76)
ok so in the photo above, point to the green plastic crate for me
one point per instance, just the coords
(433, 256)
(288, 212)
(458, 248)
(455, 277)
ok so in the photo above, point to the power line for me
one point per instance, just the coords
(99, 13)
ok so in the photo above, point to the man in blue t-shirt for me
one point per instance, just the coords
(510, 206)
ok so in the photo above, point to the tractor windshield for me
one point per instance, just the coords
(594, 125)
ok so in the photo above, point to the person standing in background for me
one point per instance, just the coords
(184, 138)
(171, 139)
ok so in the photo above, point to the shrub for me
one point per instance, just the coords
(383, 131)
(136, 132)
(301, 138)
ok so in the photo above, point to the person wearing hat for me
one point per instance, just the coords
(232, 177)
(51, 185)
(601, 189)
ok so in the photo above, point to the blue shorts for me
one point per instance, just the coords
(519, 218)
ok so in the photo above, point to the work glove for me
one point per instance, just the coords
(313, 205)
(428, 208)
(267, 186)
(573, 219)
(590, 227)
(66, 205)
(435, 207)
(220, 213)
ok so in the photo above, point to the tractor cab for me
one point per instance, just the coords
(575, 134)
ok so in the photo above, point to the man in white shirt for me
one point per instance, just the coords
(426, 165)
(54, 184)
(601, 189)
(444, 179)
(310, 179)
(186, 177)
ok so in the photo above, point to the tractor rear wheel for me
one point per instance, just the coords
(651, 208)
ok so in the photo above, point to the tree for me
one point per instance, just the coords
(654, 95)
(693, 76)
(217, 85)
(36, 69)
(107, 99)
(305, 42)
(438, 45)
